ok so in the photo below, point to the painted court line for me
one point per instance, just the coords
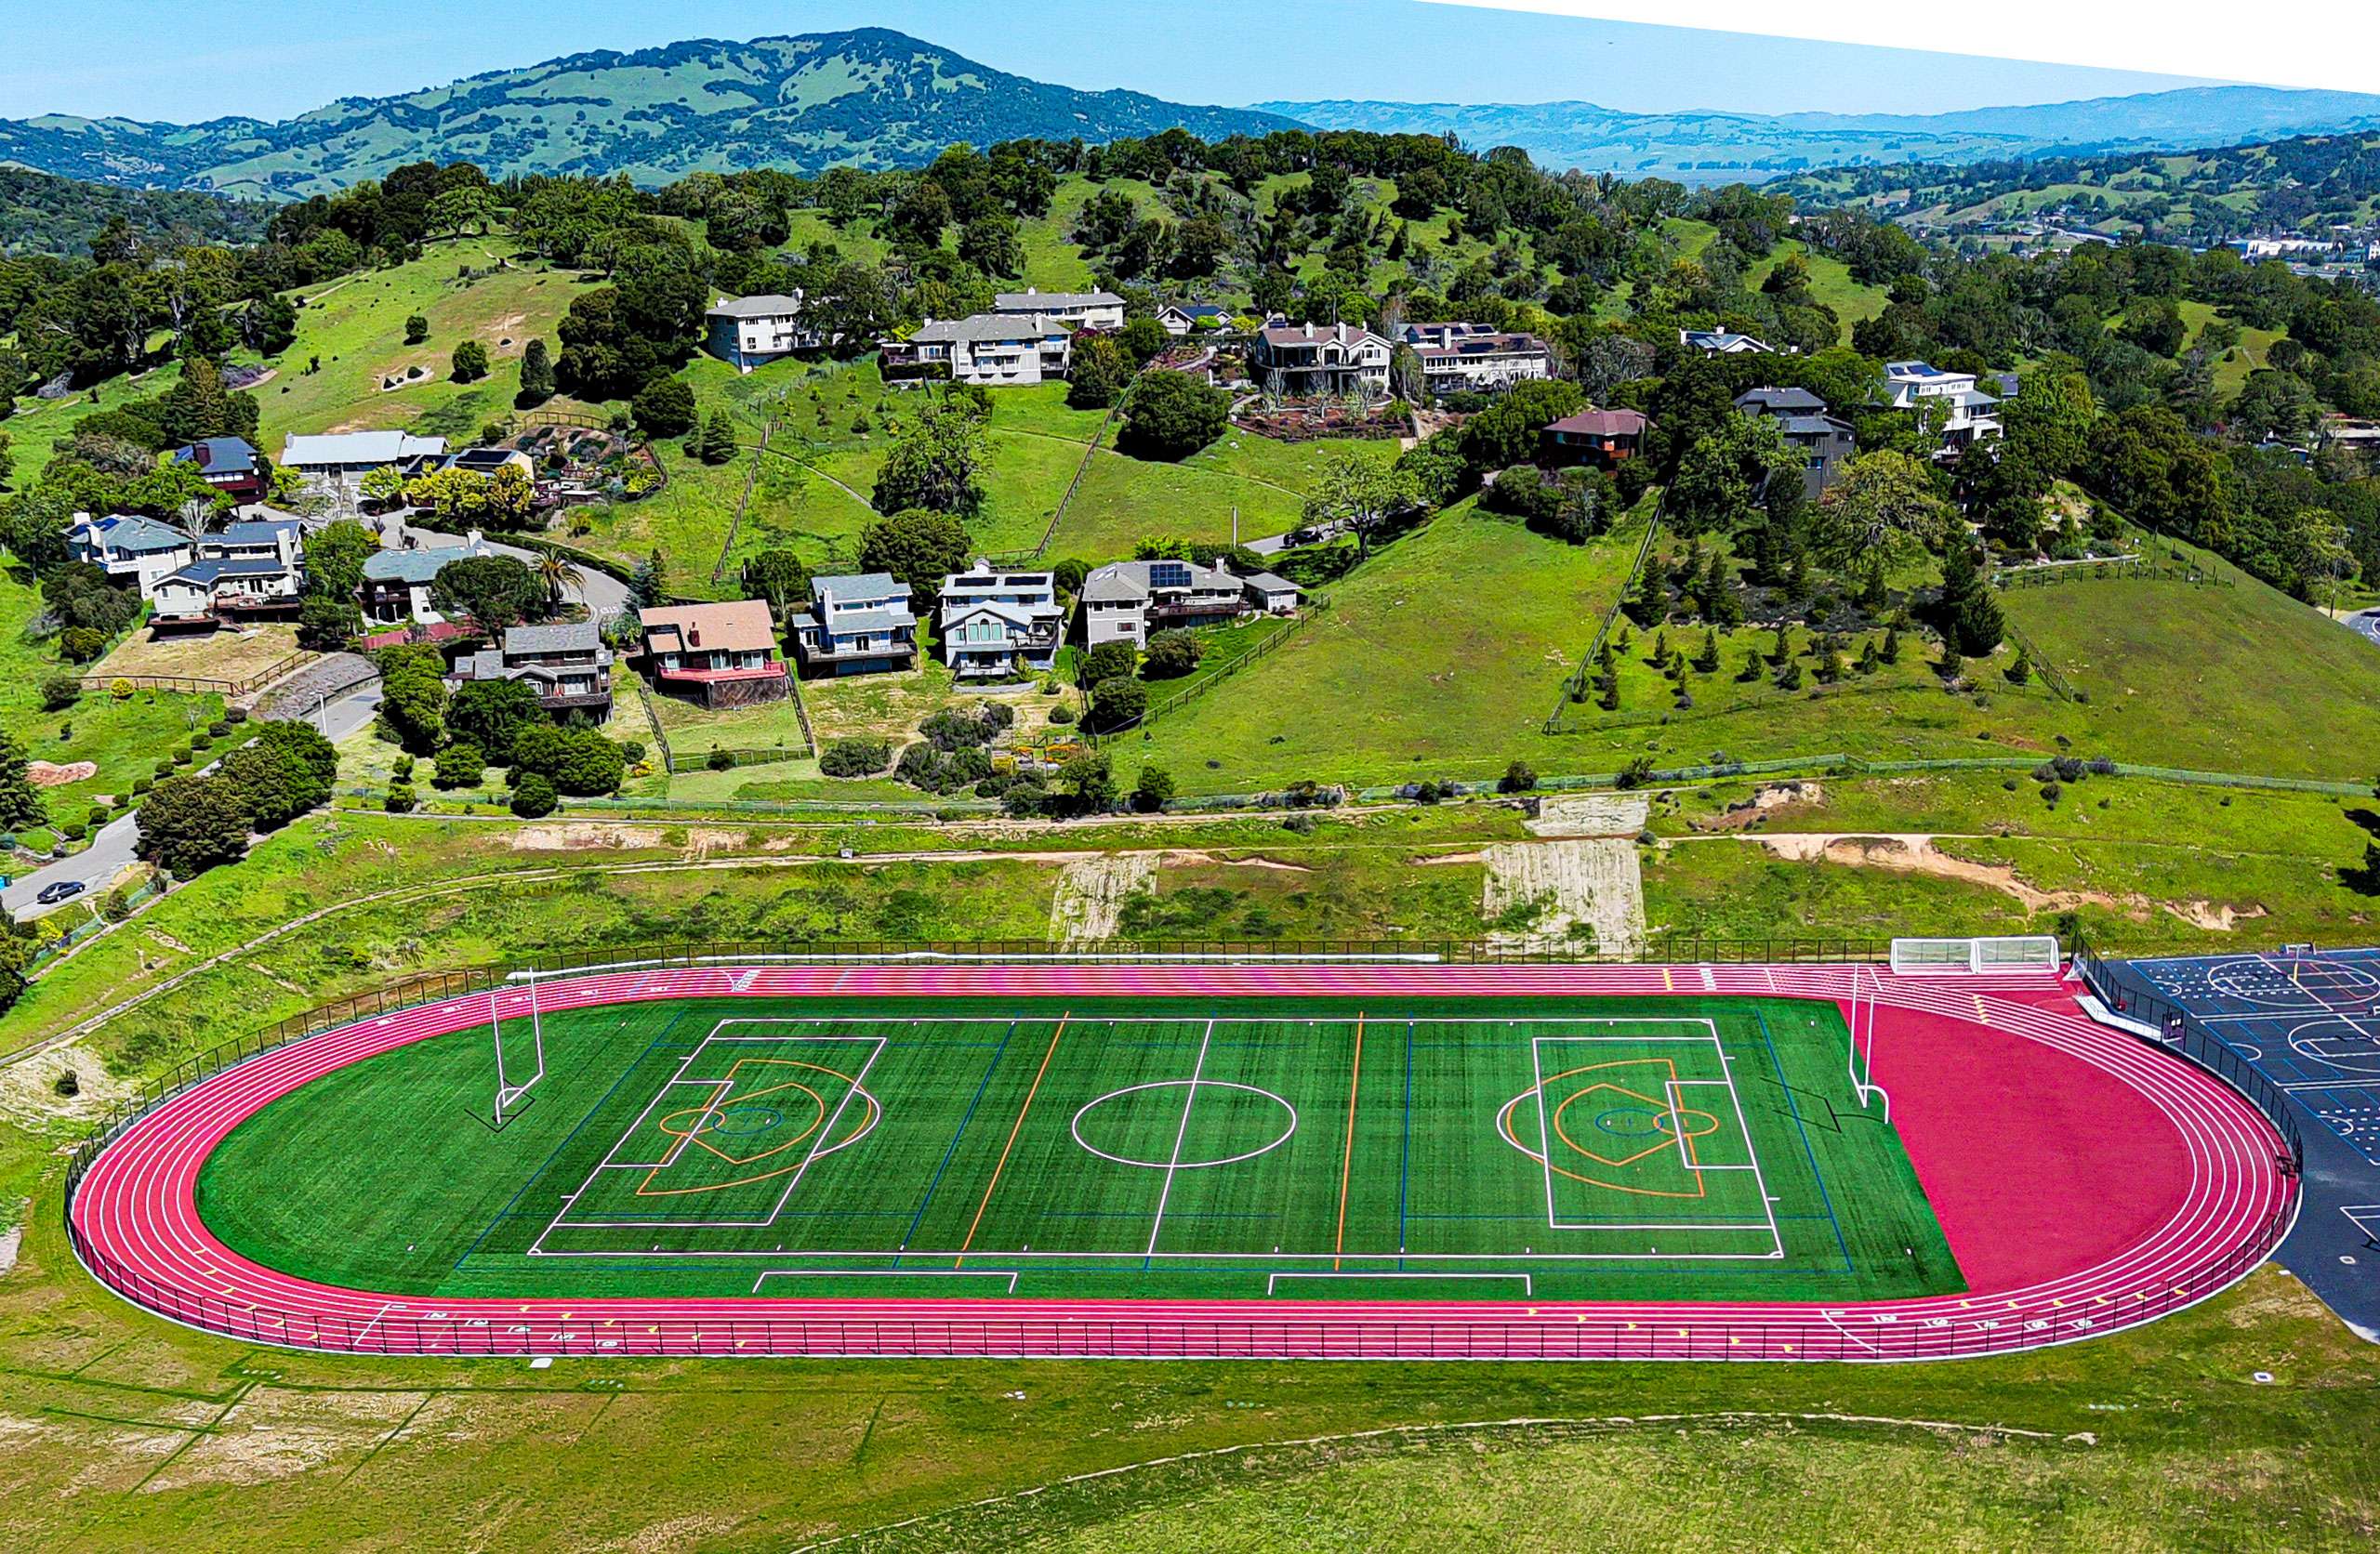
(1181, 1134)
(1010, 1275)
(1014, 1128)
(1528, 1281)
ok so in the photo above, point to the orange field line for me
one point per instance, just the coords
(1347, 1159)
(1014, 1128)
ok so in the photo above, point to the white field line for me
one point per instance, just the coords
(1180, 1135)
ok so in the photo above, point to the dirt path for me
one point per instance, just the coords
(1915, 852)
(1091, 895)
(1566, 887)
(1591, 814)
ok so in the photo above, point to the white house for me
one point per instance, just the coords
(1723, 342)
(993, 621)
(131, 549)
(1093, 309)
(1126, 600)
(748, 331)
(1475, 357)
(1973, 413)
(1271, 595)
(855, 625)
(337, 454)
(1302, 359)
(994, 349)
(1181, 318)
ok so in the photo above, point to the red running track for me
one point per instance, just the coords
(2155, 1187)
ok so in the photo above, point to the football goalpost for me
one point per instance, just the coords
(512, 1098)
(1862, 1064)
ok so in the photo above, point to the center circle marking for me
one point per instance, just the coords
(1288, 1125)
(739, 1120)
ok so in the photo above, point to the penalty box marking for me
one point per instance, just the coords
(1710, 1030)
(1706, 1032)
(610, 1161)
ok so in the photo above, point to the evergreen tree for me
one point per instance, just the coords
(1781, 648)
(536, 375)
(647, 583)
(1753, 668)
(1649, 601)
(1970, 618)
(1707, 661)
(20, 805)
(2020, 672)
(1890, 652)
(1952, 665)
(1790, 678)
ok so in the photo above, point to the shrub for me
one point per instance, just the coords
(82, 643)
(220, 728)
(1518, 778)
(236, 716)
(60, 691)
(67, 1084)
(403, 772)
(142, 783)
(856, 757)
(1119, 703)
(721, 761)
(98, 815)
(469, 363)
(1062, 715)
(73, 830)
(460, 765)
(416, 329)
(1172, 416)
(1171, 654)
(400, 800)
(184, 757)
(533, 797)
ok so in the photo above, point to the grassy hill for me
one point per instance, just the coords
(869, 97)
(2197, 197)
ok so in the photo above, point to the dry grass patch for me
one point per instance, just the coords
(227, 655)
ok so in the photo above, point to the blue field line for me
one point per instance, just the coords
(973, 1101)
(1615, 1218)
(1169, 1214)
(1405, 1160)
(1777, 1066)
(547, 1164)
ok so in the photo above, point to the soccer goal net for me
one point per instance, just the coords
(1966, 956)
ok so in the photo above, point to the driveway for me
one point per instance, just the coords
(601, 593)
(111, 848)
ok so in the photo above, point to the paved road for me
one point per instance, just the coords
(111, 851)
(600, 592)
(2368, 623)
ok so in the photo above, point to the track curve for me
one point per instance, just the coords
(133, 1217)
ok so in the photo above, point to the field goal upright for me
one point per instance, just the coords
(1923, 957)
(512, 1098)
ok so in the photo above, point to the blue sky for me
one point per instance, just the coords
(272, 58)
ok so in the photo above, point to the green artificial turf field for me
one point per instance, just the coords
(1672, 1148)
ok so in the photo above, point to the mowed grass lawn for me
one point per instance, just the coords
(1441, 656)
(2228, 680)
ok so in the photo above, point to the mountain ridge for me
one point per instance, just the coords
(869, 97)
(1717, 145)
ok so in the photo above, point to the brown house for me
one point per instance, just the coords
(723, 655)
(1603, 437)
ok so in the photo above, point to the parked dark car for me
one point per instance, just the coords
(60, 891)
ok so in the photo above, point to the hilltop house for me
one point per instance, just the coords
(250, 568)
(1181, 318)
(724, 655)
(1302, 359)
(1093, 310)
(566, 664)
(749, 332)
(396, 582)
(1826, 441)
(990, 348)
(993, 622)
(1723, 342)
(1126, 600)
(130, 548)
(487, 461)
(1475, 357)
(1972, 415)
(1604, 437)
(337, 455)
(229, 464)
(857, 625)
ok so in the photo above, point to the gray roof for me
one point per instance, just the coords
(988, 326)
(1814, 426)
(1772, 400)
(210, 572)
(413, 566)
(858, 586)
(1043, 301)
(256, 530)
(486, 664)
(766, 307)
(141, 536)
(1128, 581)
(1271, 583)
(564, 636)
(890, 619)
(358, 447)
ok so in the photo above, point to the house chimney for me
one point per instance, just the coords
(1309, 329)
(474, 539)
(694, 634)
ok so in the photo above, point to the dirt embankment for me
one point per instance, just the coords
(1091, 893)
(1916, 853)
(1588, 893)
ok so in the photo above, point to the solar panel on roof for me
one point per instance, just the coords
(1169, 574)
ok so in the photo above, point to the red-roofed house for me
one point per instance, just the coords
(724, 655)
(1603, 437)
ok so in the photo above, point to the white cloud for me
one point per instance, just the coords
(2335, 45)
